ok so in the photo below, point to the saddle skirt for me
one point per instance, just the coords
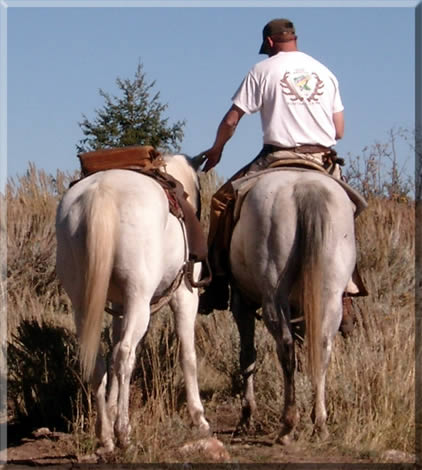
(243, 185)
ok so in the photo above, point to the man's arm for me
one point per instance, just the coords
(225, 131)
(338, 119)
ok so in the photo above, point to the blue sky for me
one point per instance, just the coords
(59, 57)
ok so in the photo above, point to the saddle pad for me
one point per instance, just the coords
(134, 157)
(244, 184)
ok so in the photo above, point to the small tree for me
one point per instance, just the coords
(133, 119)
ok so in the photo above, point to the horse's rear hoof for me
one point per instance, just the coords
(245, 428)
(285, 440)
(105, 451)
(320, 433)
(204, 429)
(123, 442)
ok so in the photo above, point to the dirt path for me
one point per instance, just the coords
(50, 449)
(55, 449)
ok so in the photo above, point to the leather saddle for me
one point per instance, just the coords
(148, 161)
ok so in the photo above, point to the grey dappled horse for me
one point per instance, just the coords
(117, 240)
(292, 250)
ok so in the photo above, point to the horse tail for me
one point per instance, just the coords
(312, 226)
(101, 220)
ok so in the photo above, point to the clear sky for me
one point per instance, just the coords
(59, 57)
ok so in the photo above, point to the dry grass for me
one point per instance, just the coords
(370, 384)
(32, 287)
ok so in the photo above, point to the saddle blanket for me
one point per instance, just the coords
(244, 184)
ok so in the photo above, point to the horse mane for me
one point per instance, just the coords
(181, 167)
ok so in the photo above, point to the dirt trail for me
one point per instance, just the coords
(46, 448)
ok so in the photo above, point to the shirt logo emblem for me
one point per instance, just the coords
(302, 86)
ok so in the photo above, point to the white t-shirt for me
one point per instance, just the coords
(296, 96)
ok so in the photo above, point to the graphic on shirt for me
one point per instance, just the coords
(301, 86)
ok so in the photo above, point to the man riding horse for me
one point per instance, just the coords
(302, 118)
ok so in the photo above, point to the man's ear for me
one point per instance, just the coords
(270, 41)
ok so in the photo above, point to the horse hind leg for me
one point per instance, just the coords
(113, 383)
(135, 323)
(103, 425)
(331, 323)
(184, 305)
(277, 320)
(244, 315)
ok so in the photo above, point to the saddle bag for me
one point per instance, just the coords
(138, 157)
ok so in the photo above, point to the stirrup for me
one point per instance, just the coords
(201, 282)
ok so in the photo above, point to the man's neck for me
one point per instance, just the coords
(276, 51)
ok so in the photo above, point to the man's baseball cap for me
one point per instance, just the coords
(277, 26)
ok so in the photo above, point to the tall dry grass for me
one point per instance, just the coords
(370, 383)
(32, 288)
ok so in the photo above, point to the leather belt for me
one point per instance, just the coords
(306, 148)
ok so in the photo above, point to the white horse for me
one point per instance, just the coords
(292, 250)
(117, 241)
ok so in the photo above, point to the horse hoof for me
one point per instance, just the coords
(244, 429)
(285, 440)
(204, 429)
(321, 434)
(105, 450)
(123, 442)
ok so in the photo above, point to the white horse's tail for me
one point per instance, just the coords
(101, 220)
(312, 226)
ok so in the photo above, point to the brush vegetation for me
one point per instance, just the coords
(371, 378)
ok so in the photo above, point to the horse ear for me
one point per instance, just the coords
(197, 161)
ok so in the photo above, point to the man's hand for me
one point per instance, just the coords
(213, 157)
(225, 130)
